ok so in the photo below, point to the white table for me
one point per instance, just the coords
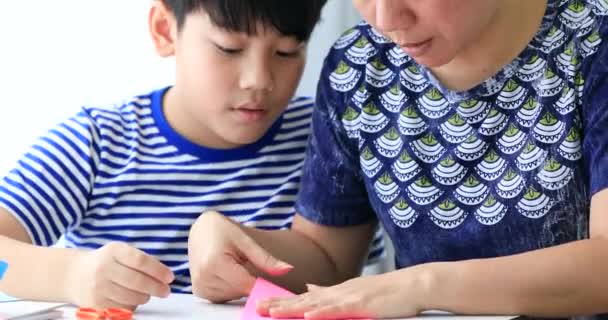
(179, 306)
(186, 307)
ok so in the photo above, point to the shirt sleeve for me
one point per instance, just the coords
(332, 189)
(49, 187)
(595, 119)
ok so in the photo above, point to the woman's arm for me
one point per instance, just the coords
(563, 280)
(559, 281)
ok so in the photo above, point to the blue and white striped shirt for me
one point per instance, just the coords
(121, 173)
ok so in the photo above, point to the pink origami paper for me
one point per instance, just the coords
(261, 290)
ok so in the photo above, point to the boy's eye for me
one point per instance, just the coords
(228, 50)
(288, 54)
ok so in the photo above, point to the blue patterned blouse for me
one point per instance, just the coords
(506, 167)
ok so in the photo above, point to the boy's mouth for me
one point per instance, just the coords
(250, 112)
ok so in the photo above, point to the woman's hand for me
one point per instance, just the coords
(388, 295)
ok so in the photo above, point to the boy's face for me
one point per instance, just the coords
(230, 87)
(431, 31)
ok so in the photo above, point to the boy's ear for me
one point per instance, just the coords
(163, 28)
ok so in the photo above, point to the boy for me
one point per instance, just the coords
(475, 131)
(129, 181)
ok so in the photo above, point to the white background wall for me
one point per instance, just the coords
(338, 15)
(58, 55)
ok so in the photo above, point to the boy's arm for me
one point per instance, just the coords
(25, 261)
(10, 227)
(115, 275)
(46, 195)
(47, 191)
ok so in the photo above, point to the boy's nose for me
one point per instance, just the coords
(257, 76)
(393, 15)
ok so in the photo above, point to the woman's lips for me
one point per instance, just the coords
(416, 49)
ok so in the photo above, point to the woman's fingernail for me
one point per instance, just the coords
(284, 265)
(313, 287)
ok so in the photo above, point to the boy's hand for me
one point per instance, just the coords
(117, 275)
(220, 253)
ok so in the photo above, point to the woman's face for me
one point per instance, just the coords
(433, 32)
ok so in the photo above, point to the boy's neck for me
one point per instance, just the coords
(511, 31)
(185, 124)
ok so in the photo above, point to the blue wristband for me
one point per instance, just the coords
(3, 267)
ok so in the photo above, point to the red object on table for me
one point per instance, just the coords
(90, 314)
(105, 314)
(118, 314)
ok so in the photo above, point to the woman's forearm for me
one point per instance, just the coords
(569, 279)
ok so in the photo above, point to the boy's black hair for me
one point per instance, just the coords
(295, 18)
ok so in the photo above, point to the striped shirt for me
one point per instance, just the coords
(121, 173)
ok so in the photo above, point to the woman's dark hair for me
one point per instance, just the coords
(295, 18)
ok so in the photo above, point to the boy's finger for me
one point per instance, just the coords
(104, 303)
(260, 258)
(126, 296)
(142, 262)
(136, 280)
